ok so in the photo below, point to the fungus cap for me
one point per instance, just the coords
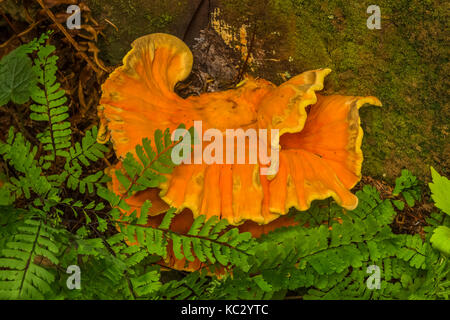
(320, 136)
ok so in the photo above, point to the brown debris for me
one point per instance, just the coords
(69, 37)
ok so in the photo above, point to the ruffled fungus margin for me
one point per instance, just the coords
(320, 139)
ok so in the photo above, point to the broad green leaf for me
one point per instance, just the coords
(16, 78)
(441, 239)
(440, 191)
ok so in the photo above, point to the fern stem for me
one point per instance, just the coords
(30, 257)
(168, 231)
(136, 177)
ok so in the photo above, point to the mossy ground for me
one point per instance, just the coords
(405, 63)
(135, 18)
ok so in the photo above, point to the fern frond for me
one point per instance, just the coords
(89, 150)
(408, 186)
(206, 240)
(148, 167)
(21, 155)
(83, 155)
(17, 78)
(194, 286)
(50, 106)
(20, 276)
(331, 256)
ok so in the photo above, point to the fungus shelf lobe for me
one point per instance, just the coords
(320, 138)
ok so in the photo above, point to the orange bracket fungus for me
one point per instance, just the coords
(319, 140)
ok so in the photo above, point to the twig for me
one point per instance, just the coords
(7, 21)
(69, 37)
(115, 27)
(19, 35)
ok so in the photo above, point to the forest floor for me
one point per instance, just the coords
(400, 136)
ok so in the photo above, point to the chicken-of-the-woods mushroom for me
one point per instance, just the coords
(319, 145)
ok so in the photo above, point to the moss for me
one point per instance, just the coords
(135, 18)
(159, 22)
(403, 64)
